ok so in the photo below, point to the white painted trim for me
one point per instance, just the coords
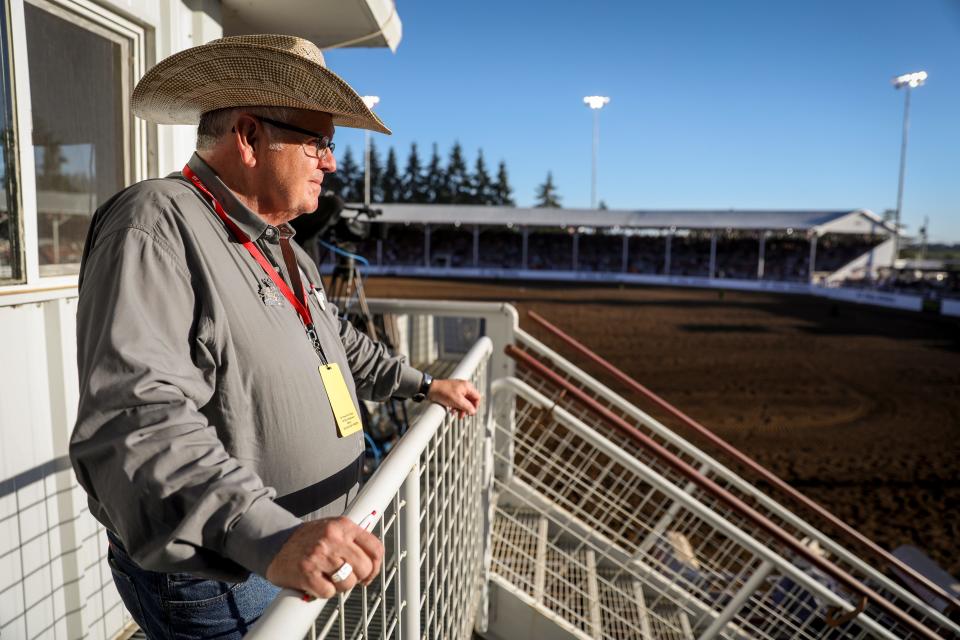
(31, 293)
(20, 78)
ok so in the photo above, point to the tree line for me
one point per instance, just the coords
(435, 182)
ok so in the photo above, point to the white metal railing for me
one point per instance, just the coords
(428, 497)
(500, 322)
(689, 551)
(719, 473)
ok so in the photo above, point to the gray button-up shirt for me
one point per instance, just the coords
(204, 433)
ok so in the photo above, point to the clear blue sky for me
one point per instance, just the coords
(728, 104)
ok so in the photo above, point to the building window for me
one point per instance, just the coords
(10, 254)
(80, 74)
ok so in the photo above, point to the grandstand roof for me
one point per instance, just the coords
(855, 221)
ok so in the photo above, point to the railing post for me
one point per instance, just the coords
(739, 599)
(410, 560)
(667, 518)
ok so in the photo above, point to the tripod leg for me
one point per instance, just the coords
(365, 310)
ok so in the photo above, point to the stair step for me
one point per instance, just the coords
(623, 610)
(566, 590)
(670, 623)
(516, 541)
(601, 602)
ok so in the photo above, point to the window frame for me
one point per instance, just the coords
(15, 203)
(133, 40)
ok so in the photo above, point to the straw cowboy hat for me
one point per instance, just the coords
(248, 71)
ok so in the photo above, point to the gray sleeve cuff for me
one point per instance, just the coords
(410, 379)
(257, 536)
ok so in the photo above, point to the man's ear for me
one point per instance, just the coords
(248, 137)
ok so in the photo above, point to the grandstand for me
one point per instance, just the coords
(758, 249)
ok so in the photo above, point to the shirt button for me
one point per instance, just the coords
(270, 233)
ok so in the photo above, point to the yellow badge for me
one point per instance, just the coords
(344, 411)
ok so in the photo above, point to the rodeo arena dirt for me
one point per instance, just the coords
(856, 406)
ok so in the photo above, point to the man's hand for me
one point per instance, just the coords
(457, 395)
(317, 549)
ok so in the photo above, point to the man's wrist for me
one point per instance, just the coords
(258, 535)
(425, 385)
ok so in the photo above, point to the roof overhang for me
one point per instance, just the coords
(328, 23)
(820, 222)
(860, 221)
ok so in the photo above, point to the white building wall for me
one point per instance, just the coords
(53, 579)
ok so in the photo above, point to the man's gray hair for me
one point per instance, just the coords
(215, 124)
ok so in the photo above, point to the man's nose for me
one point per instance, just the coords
(328, 162)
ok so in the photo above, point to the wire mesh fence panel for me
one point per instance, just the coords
(453, 527)
(606, 402)
(370, 611)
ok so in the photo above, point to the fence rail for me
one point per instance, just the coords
(427, 499)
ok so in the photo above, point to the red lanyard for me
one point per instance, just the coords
(301, 305)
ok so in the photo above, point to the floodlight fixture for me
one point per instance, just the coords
(596, 102)
(912, 80)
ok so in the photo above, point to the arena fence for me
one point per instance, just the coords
(427, 501)
(649, 441)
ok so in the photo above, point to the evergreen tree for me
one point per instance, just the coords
(602, 206)
(333, 182)
(376, 176)
(482, 187)
(391, 186)
(503, 192)
(547, 194)
(352, 178)
(414, 185)
(434, 180)
(456, 187)
(342, 182)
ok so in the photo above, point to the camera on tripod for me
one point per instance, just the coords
(333, 226)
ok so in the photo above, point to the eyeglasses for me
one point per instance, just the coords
(321, 143)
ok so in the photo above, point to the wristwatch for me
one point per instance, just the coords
(424, 389)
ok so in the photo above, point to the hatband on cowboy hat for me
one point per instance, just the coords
(248, 71)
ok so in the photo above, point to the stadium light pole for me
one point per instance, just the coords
(371, 102)
(595, 103)
(908, 81)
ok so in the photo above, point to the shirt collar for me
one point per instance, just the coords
(249, 222)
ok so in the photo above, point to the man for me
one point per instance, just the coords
(217, 434)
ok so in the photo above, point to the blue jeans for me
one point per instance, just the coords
(179, 606)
